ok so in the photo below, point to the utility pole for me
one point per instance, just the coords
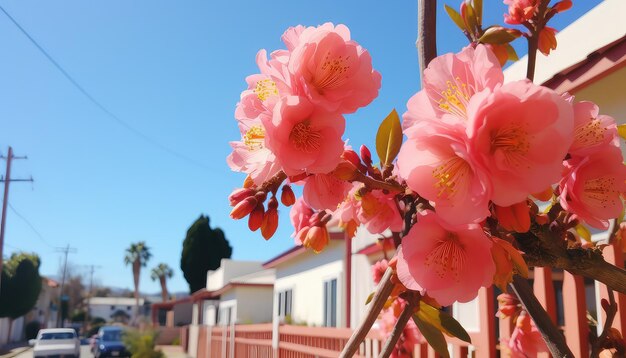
(92, 268)
(65, 250)
(5, 200)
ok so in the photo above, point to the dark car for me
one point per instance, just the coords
(109, 343)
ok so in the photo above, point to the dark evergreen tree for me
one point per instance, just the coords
(203, 250)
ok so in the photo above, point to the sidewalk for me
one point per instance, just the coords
(173, 351)
(12, 349)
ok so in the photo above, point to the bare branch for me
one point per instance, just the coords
(426, 32)
(404, 318)
(611, 311)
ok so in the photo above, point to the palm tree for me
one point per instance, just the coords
(137, 255)
(162, 272)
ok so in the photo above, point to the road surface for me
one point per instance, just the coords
(84, 353)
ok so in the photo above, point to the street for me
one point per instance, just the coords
(84, 353)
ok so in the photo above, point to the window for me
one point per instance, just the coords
(128, 308)
(285, 303)
(112, 307)
(330, 303)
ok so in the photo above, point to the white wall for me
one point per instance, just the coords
(105, 311)
(254, 304)
(228, 270)
(305, 275)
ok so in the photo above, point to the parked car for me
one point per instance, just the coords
(60, 342)
(109, 343)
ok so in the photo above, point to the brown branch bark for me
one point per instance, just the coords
(546, 249)
(380, 297)
(611, 311)
(533, 40)
(426, 33)
(554, 339)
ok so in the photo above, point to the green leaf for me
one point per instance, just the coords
(389, 138)
(456, 17)
(369, 298)
(496, 35)
(583, 232)
(470, 17)
(478, 6)
(433, 336)
(443, 321)
(511, 52)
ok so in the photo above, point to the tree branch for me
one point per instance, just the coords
(551, 335)
(533, 39)
(426, 33)
(378, 302)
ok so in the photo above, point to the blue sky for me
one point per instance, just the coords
(173, 70)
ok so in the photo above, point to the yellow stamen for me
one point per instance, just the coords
(513, 142)
(254, 137)
(266, 89)
(305, 138)
(452, 177)
(447, 257)
(333, 72)
(455, 98)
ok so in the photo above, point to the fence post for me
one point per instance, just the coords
(575, 310)
(613, 255)
(544, 290)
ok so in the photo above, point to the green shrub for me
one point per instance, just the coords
(176, 341)
(31, 329)
(141, 344)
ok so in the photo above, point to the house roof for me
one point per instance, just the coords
(297, 251)
(378, 246)
(577, 42)
(114, 301)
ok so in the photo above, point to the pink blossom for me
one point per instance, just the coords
(526, 341)
(592, 131)
(325, 191)
(435, 162)
(303, 138)
(521, 132)
(250, 155)
(592, 186)
(450, 81)
(520, 11)
(378, 270)
(330, 69)
(378, 212)
(300, 214)
(449, 263)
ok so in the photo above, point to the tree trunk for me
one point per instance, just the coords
(136, 272)
(164, 293)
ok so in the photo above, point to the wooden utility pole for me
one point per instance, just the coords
(92, 268)
(66, 251)
(5, 201)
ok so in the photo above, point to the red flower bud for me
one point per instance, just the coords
(287, 197)
(238, 195)
(244, 208)
(352, 157)
(547, 40)
(562, 5)
(317, 238)
(270, 222)
(256, 217)
(272, 203)
(366, 155)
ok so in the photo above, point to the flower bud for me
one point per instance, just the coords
(287, 197)
(272, 203)
(260, 196)
(547, 40)
(562, 5)
(366, 155)
(244, 208)
(301, 235)
(515, 217)
(317, 238)
(541, 219)
(239, 194)
(256, 217)
(270, 222)
(352, 157)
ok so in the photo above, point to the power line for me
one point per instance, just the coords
(32, 227)
(97, 103)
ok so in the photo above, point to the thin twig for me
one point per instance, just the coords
(378, 302)
(377, 184)
(551, 335)
(404, 318)
(533, 39)
(611, 311)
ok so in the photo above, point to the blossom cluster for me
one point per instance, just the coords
(477, 148)
(477, 153)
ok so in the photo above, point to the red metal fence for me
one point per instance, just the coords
(562, 294)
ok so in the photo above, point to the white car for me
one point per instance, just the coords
(57, 342)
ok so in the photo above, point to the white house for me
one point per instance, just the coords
(238, 292)
(108, 307)
(327, 289)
